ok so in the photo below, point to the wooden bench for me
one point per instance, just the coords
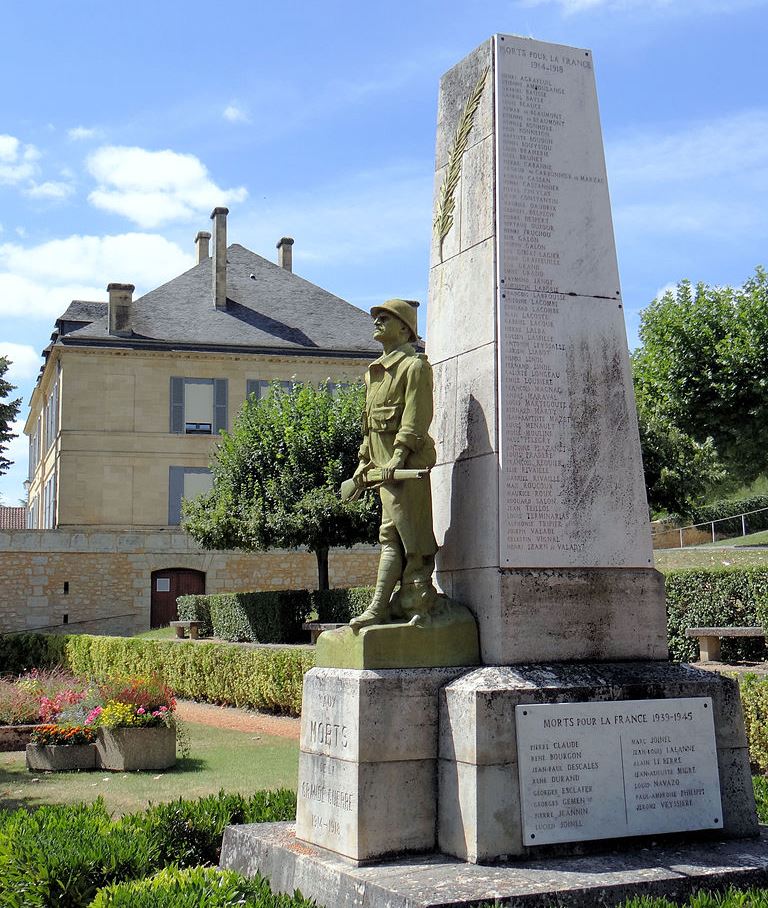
(315, 628)
(181, 628)
(709, 638)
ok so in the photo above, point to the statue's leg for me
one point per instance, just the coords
(389, 575)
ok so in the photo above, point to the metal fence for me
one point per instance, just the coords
(710, 531)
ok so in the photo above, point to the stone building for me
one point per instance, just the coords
(123, 421)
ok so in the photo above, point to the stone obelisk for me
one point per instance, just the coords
(540, 503)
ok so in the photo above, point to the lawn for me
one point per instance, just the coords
(709, 557)
(236, 761)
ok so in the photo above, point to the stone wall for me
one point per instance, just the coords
(107, 575)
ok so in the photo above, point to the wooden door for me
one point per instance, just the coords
(166, 586)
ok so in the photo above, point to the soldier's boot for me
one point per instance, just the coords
(390, 569)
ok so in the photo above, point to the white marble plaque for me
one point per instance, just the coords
(621, 768)
(571, 484)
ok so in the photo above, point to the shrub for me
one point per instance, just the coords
(196, 608)
(18, 706)
(62, 855)
(721, 509)
(188, 833)
(754, 702)
(340, 605)
(268, 679)
(192, 887)
(273, 616)
(21, 652)
(723, 597)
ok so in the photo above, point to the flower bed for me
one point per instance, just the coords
(56, 748)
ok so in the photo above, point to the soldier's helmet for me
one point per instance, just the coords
(405, 310)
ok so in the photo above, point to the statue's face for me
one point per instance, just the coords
(388, 329)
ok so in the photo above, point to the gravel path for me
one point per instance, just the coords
(238, 719)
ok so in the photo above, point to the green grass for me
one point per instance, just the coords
(158, 633)
(708, 557)
(220, 758)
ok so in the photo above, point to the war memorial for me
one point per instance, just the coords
(515, 732)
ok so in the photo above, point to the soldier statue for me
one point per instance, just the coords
(396, 455)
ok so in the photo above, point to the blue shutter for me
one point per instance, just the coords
(252, 387)
(177, 406)
(175, 494)
(219, 405)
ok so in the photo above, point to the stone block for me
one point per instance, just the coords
(479, 817)
(443, 428)
(461, 304)
(372, 716)
(475, 194)
(366, 811)
(475, 403)
(478, 729)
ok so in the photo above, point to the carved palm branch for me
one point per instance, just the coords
(446, 199)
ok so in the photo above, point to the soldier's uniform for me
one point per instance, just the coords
(398, 411)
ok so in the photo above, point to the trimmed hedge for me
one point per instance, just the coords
(721, 509)
(193, 887)
(63, 855)
(339, 606)
(267, 679)
(721, 597)
(272, 616)
(21, 652)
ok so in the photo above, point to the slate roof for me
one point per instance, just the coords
(13, 518)
(268, 309)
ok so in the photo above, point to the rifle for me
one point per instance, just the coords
(372, 479)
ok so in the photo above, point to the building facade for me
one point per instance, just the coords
(133, 393)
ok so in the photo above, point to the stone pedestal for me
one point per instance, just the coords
(368, 761)
(480, 804)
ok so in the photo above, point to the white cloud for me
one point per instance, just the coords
(154, 187)
(702, 150)
(39, 281)
(235, 114)
(50, 189)
(18, 453)
(17, 161)
(81, 133)
(25, 361)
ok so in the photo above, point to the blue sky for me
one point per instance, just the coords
(123, 125)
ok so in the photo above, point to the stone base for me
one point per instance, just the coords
(563, 614)
(479, 802)
(450, 638)
(127, 749)
(674, 870)
(368, 761)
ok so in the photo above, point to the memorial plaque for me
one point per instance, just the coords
(604, 770)
(571, 482)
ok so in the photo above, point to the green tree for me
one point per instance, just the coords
(678, 469)
(276, 477)
(701, 365)
(9, 410)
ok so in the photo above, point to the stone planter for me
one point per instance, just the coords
(15, 737)
(60, 757)
(124, 749)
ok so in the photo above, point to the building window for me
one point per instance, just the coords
(185, 482)
(49, 503)
(32, 514)
(260, 387)
(198, 406)
(34, 448)
(52, 416)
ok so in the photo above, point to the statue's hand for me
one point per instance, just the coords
(359, 475)
(395, 462)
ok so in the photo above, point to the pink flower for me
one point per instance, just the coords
(140, 711)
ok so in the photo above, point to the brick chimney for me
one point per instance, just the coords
(202, 250)
(285, 253)
(119, 309)
(219, 270)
